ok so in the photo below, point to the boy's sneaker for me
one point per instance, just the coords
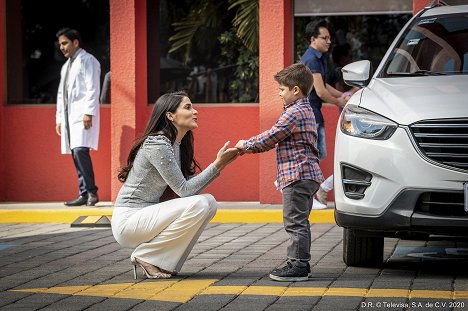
(309, 274)
(317, 205)
(290, 273)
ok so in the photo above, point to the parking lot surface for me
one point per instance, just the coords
(59, 267)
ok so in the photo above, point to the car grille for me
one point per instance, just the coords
(441, 204)
(443, 141)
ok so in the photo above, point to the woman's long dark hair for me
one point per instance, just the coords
(159, 124)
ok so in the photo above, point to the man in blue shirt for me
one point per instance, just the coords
(319, 37)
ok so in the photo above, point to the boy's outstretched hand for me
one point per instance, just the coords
(240, 147)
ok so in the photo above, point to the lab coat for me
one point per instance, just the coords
(83, 98)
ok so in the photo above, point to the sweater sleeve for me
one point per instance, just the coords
(161, 155)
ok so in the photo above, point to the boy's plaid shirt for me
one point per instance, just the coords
(295, 138)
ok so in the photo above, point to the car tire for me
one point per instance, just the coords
(359, 250)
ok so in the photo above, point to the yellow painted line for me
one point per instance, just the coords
(264, 290)
(104, 290)
(66, 216)
(272, 216)
(184, 290)
(224, 290)
(304, 291)
(460, 294)
(390, 293)
(222, 216)
(441, 294)
(91, 219)
(144, 290)
(347, 292)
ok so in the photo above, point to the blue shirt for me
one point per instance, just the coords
(317, 63)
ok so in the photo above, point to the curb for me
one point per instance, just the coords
(222, 216)
(270, 216)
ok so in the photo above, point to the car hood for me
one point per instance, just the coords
(407, 100)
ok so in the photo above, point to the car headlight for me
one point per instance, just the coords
(359, 122)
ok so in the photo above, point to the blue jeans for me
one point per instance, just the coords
(321, 142)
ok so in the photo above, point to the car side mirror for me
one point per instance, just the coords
(357, 73)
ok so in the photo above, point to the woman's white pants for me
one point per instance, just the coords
(164, 234)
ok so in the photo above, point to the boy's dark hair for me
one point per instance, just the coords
(298, 75)
(71, 34)
(313, 28)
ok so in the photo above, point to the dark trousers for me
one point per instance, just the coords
(297, 204)
(84, 169)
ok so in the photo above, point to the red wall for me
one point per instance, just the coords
(331, 115)
(2, 98)
(240, 180)
(36, 171)
(418, 5)
(35, 168)
(129, 89)
(275, 53)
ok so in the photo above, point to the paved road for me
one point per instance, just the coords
(56, 267)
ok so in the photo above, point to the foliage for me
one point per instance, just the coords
(244, 88)
(246, 22)
(234, 28)
(197, 28)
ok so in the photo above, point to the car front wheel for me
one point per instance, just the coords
(361, 250)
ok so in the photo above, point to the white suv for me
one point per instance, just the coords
(401, 148)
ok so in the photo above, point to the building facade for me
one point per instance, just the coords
(33, 169)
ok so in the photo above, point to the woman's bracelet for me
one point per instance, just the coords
(345, 94)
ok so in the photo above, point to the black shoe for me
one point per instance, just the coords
(92, 199)
(81, 200)
(290, 273)
(309, 274)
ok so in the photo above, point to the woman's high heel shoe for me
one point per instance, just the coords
(158, 275)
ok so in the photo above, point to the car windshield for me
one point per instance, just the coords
(436, 45)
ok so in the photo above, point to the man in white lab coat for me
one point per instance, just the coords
(77, 116)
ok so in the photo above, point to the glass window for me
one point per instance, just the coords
(33, 58)
(350, 7)
(434, 45)
(366, 36)
(204, 48)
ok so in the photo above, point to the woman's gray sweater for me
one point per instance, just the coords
(156, 166)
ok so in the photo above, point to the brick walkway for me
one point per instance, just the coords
(56, 267)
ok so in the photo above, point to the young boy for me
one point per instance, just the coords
(295, 137)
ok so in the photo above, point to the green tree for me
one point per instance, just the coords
(234, 24)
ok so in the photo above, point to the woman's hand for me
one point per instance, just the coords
(225, 156)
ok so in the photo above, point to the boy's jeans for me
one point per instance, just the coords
(297, 204)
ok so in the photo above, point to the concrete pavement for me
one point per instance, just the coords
(54, 266)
